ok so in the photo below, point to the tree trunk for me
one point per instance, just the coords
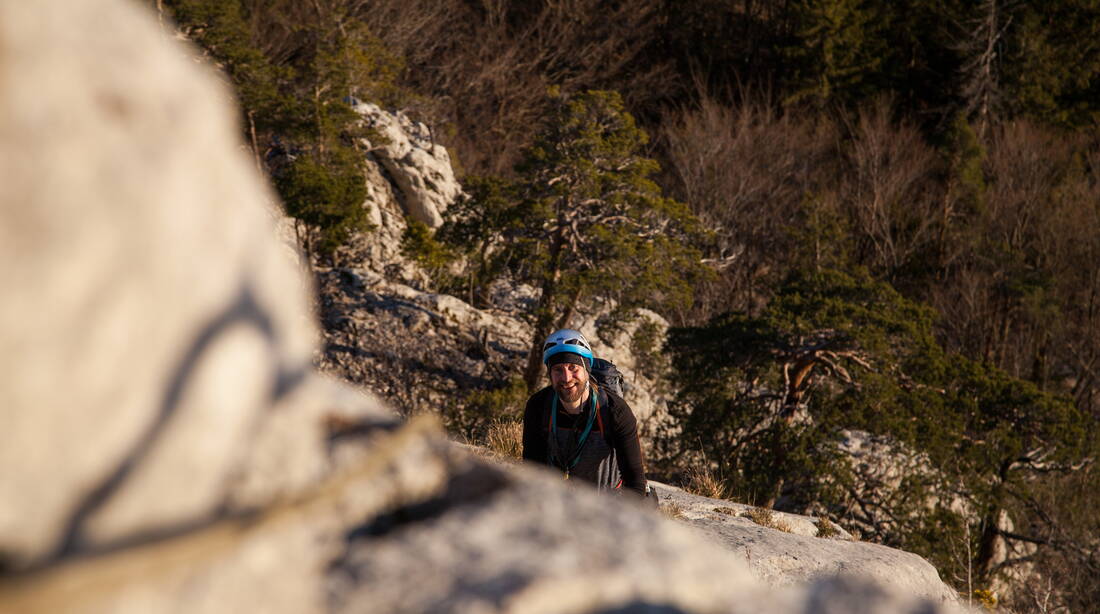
(779, 455)
(777, 490)
(570, 309)
(545, 312)
(302, 233)
(992, 549)
(479, 288)
(255, 143)
(533, 371)
(796, 386)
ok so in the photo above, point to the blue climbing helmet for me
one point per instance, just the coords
(567, 340)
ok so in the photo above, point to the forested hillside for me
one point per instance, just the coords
(876, 216)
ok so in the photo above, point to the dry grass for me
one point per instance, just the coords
(766, 518)
(705, 483)
(827, 529)
(672, 510)
(505, 438)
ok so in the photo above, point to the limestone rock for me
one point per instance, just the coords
(368, 315)
(420, 167)
(786, 550)
(150, 319)
(381, 246)
(369, 320)
(490, 557)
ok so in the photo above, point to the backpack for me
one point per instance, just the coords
(608, 376)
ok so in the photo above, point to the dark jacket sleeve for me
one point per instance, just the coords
(627, 447)
(534, 440)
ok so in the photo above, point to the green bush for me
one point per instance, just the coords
(326, 192)
(478, 414)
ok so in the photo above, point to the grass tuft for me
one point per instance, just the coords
(827, 529)
(505, 438)
(672, 510)
(766, 518)
(703, 482)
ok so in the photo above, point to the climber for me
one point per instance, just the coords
(583, 429)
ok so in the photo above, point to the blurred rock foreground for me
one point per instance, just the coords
(167, 445)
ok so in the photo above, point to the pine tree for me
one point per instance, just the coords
(837, 53)
(1051, 63)
(594, 221)
(964, 202)
(768, 398)
(582, 221)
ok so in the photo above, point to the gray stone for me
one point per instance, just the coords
(793, 553)
(523, 547)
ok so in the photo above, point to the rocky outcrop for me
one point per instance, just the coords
(368, 316)
(784, 549)
(419, 167)
(167, 445)
(374, 303)
(370, 307)
(369, 320)
(630, 560)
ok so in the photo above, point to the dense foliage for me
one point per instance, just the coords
(772, 398)
(900, 201)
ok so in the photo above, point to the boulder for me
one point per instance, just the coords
(789, 549)
(156, 357)
(150, 321)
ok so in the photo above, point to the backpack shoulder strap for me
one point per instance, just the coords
(605, 415)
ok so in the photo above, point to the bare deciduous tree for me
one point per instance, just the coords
(891, 194)
(981, 86)
(746, 172)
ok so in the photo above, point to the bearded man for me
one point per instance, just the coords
(584, 431)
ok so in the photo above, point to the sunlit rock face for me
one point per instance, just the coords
(419, 167)
(166, 444)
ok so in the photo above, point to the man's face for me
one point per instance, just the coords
(569, 381)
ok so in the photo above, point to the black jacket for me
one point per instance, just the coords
(620, 433)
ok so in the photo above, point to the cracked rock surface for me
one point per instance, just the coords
(784, 549)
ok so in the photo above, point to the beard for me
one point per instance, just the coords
(573, 394)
